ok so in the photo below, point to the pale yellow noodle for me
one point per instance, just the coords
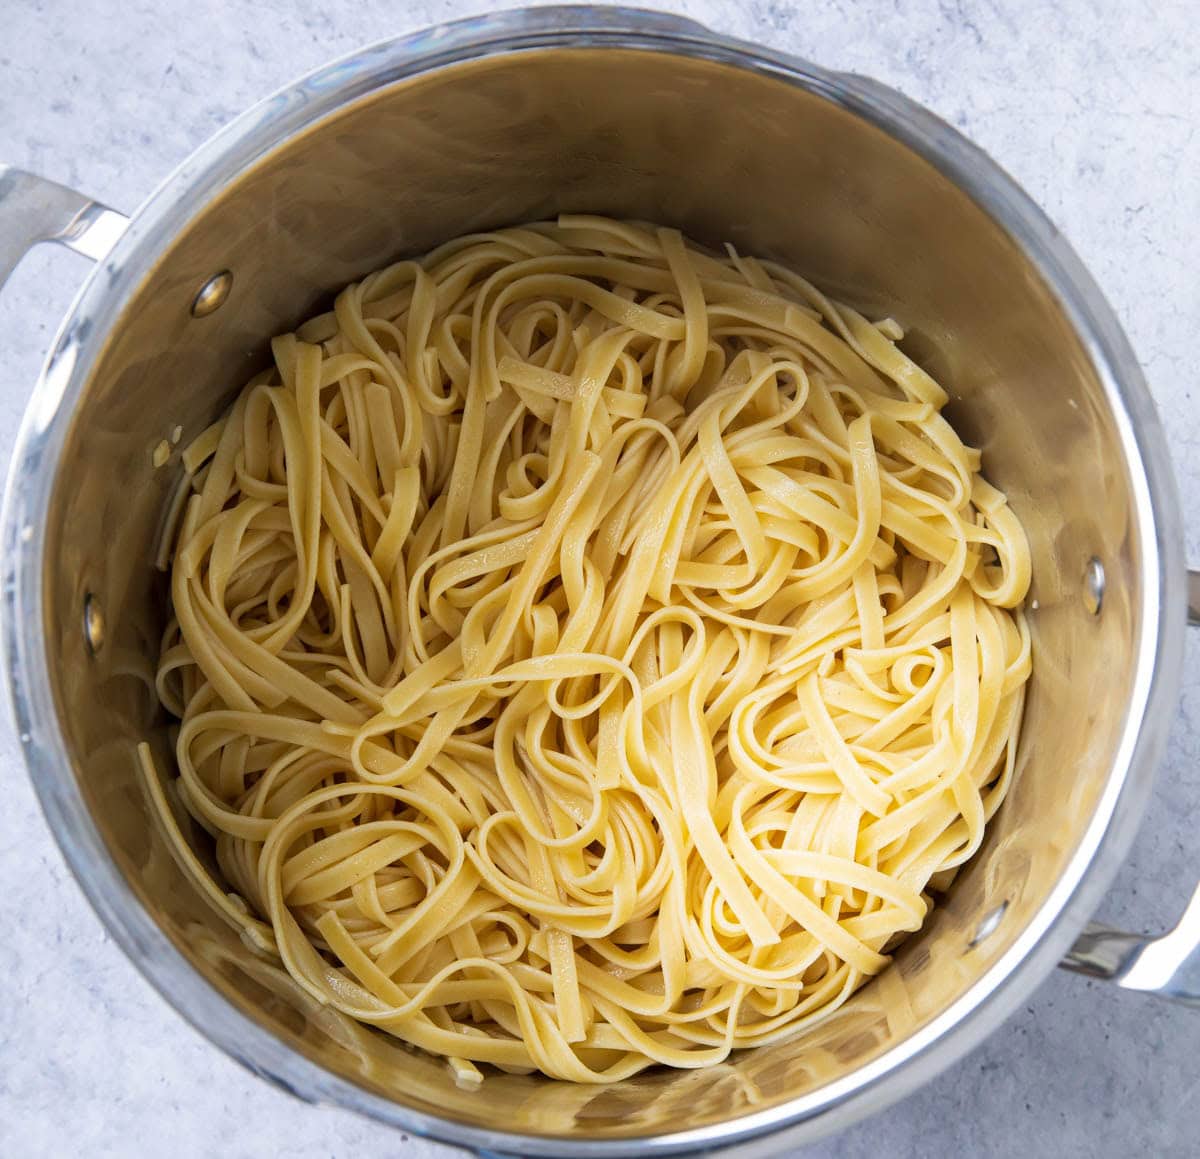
(588, 650)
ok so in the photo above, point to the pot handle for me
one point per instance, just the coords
(1169, 965)
(33, 210)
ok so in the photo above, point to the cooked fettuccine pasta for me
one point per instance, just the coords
(590, 651)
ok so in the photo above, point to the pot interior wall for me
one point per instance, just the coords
(725, 155)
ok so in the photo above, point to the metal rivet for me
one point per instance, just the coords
(93, 624)
(989, 925)
(1093, 586)
(211, 296)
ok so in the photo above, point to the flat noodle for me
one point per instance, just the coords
(588, 650)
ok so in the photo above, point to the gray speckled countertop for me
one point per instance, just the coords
(1091, 104)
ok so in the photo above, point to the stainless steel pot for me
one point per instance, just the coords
(519, 116)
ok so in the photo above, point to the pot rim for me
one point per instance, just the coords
(236, 148)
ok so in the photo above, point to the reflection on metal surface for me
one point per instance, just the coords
(93, 624)
(988, 925)
(212, 295)
(509, 118)
(1093, 587)
(1193, 597)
